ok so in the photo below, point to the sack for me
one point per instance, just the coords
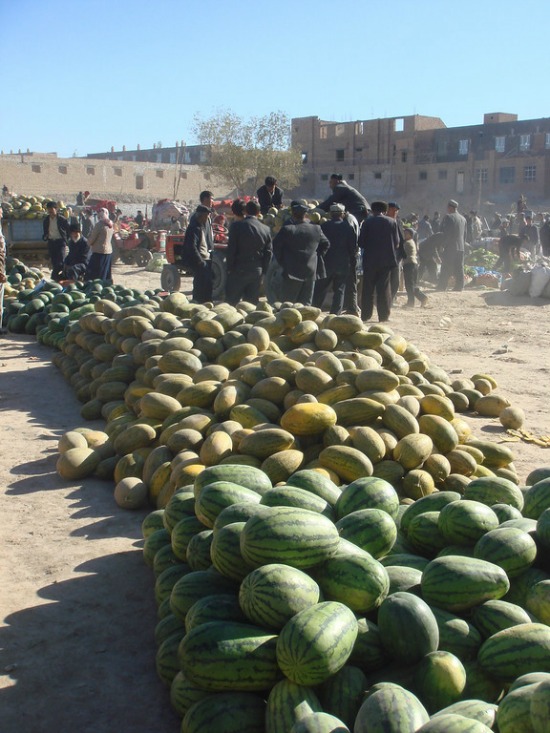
(546, 292)
(540, 276)
(519, 283)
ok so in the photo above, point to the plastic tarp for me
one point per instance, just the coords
(163, 211)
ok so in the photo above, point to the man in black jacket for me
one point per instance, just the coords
(343, 193)
(56, 234)
(340, 260)
(453, 228)
(299, 247)
(269, 195)
(76, 262)
(379, 240)
(195, 254)
(248, 254)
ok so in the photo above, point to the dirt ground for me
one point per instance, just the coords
(77, 612)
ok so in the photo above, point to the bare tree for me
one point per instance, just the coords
(244, 152)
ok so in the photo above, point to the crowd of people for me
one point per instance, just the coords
(361, 253)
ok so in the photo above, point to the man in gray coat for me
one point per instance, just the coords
(248, 254)
(453, 229)
(298, 248)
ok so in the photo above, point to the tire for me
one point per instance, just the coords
(219, 276)
(127, 257)
(143, 257)
(170, 278)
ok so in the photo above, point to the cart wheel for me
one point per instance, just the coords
(219, 276)
(127, 257)
(170, 278)
(143, 257)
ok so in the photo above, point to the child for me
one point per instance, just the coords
(410, 271)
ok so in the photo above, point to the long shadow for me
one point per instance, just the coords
(83, 659)
(502, 297)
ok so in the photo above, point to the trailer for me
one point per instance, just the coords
(24, 239)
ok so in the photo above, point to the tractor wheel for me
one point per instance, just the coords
(219, 276)
(143, 257)
(170, 278)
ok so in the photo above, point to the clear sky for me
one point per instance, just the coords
(79, 77)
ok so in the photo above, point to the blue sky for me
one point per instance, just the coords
(80, 77)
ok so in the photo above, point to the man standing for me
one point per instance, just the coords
(269, 195)
(531, 233)
(249, 253)
(379, 240)
(453, 228)
(424, 229)
(298, 248)
(56, 234)
(393, 213)
(340, 260)
(196, 256)
(343, 193)
(206, 199)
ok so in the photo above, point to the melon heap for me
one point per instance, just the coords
(333, 549)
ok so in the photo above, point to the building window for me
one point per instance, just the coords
(139, 182)
(160, 174)
(507, 174)
(35, 168)
(117, 172)
(183, 174)
(158, 158)
(90, 170)
(500, 143)
(463, 147)
(399, 124)
(304, 157)
(323, 132)
(378, 176)
(324, 176)
(351, 177)
(63, 169)
(340, 155)
(481, 175)
(403, 156)
(547, 140)
(524, 142)
(442, 175)
(358, 128)
(172, 157)
(423, 176)
(207, 176)
(530, 173)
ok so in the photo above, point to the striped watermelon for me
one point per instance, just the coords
(215, 497)
(225, 552)
(226, 713)
(403, 579)
(494, 616)
(272, 594)
(217, 607)
(494, 490)
(193, 586)
(239, 513)
(295, 537)
(514, 711)
(515, 651)
(221, 655)
(368, 492)
(287, 703)
(540, 707)
(431, 503)
(182, 533)
(166, 627)
(352, 576)
(167, 657)
(537, 499)
(368, 652)
(405, 560)
(167, 579)
(316, 483)
(451, 723)
(440, 680)
(464, 522)
(390, 709)
(373, 530)
(183, 694)
(483, 712)
(198, 550)
(342, 694)
(319, 723)
(299, 498)
(509, 548)
(456, 583)
(180, 505)
(406, 611)
(424, 535)
(457, 635)
(316, 643)
(247, 476)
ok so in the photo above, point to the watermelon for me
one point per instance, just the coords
(406, 611)
(464, 522)
(319, 723)
(342, 694)
(368, 492)
(221, 655)
(483, 712)
(226, 713)
(451, 723)
(287, 703)
(316, 643)
(511, 549)
(497, 615)
(183, 694)
(373, 530)
(215, 497)
(457, 635)
(515, 651)
(247, 476)
(217, 607)
(440, 680)
(390, 709)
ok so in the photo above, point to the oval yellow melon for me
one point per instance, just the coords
(311, 418)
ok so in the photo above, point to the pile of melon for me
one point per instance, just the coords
(344, 458)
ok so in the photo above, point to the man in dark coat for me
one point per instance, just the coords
(270, 195)
(453, 228)
(340, 260)
(299, 247)
(343, 193)
(56, 234)
(196, 256)
(379, 241)
(76, 262)
(248, 254)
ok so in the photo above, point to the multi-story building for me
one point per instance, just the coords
(420, 162)
(179, 153)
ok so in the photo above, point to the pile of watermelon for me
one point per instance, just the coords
(333, 549)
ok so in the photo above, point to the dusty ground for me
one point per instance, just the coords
(76, 606)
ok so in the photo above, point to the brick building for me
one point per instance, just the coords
(420, 162)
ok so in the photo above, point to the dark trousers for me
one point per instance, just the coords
(99, 267)
(339, 282)
(452, 263)
(394, 281)
(57, 250)
(376, 282)
(410, 276)
(74, 272)
(430, 268)
(202, 282)
(243, 285)
(350, 292)
(298, 291)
